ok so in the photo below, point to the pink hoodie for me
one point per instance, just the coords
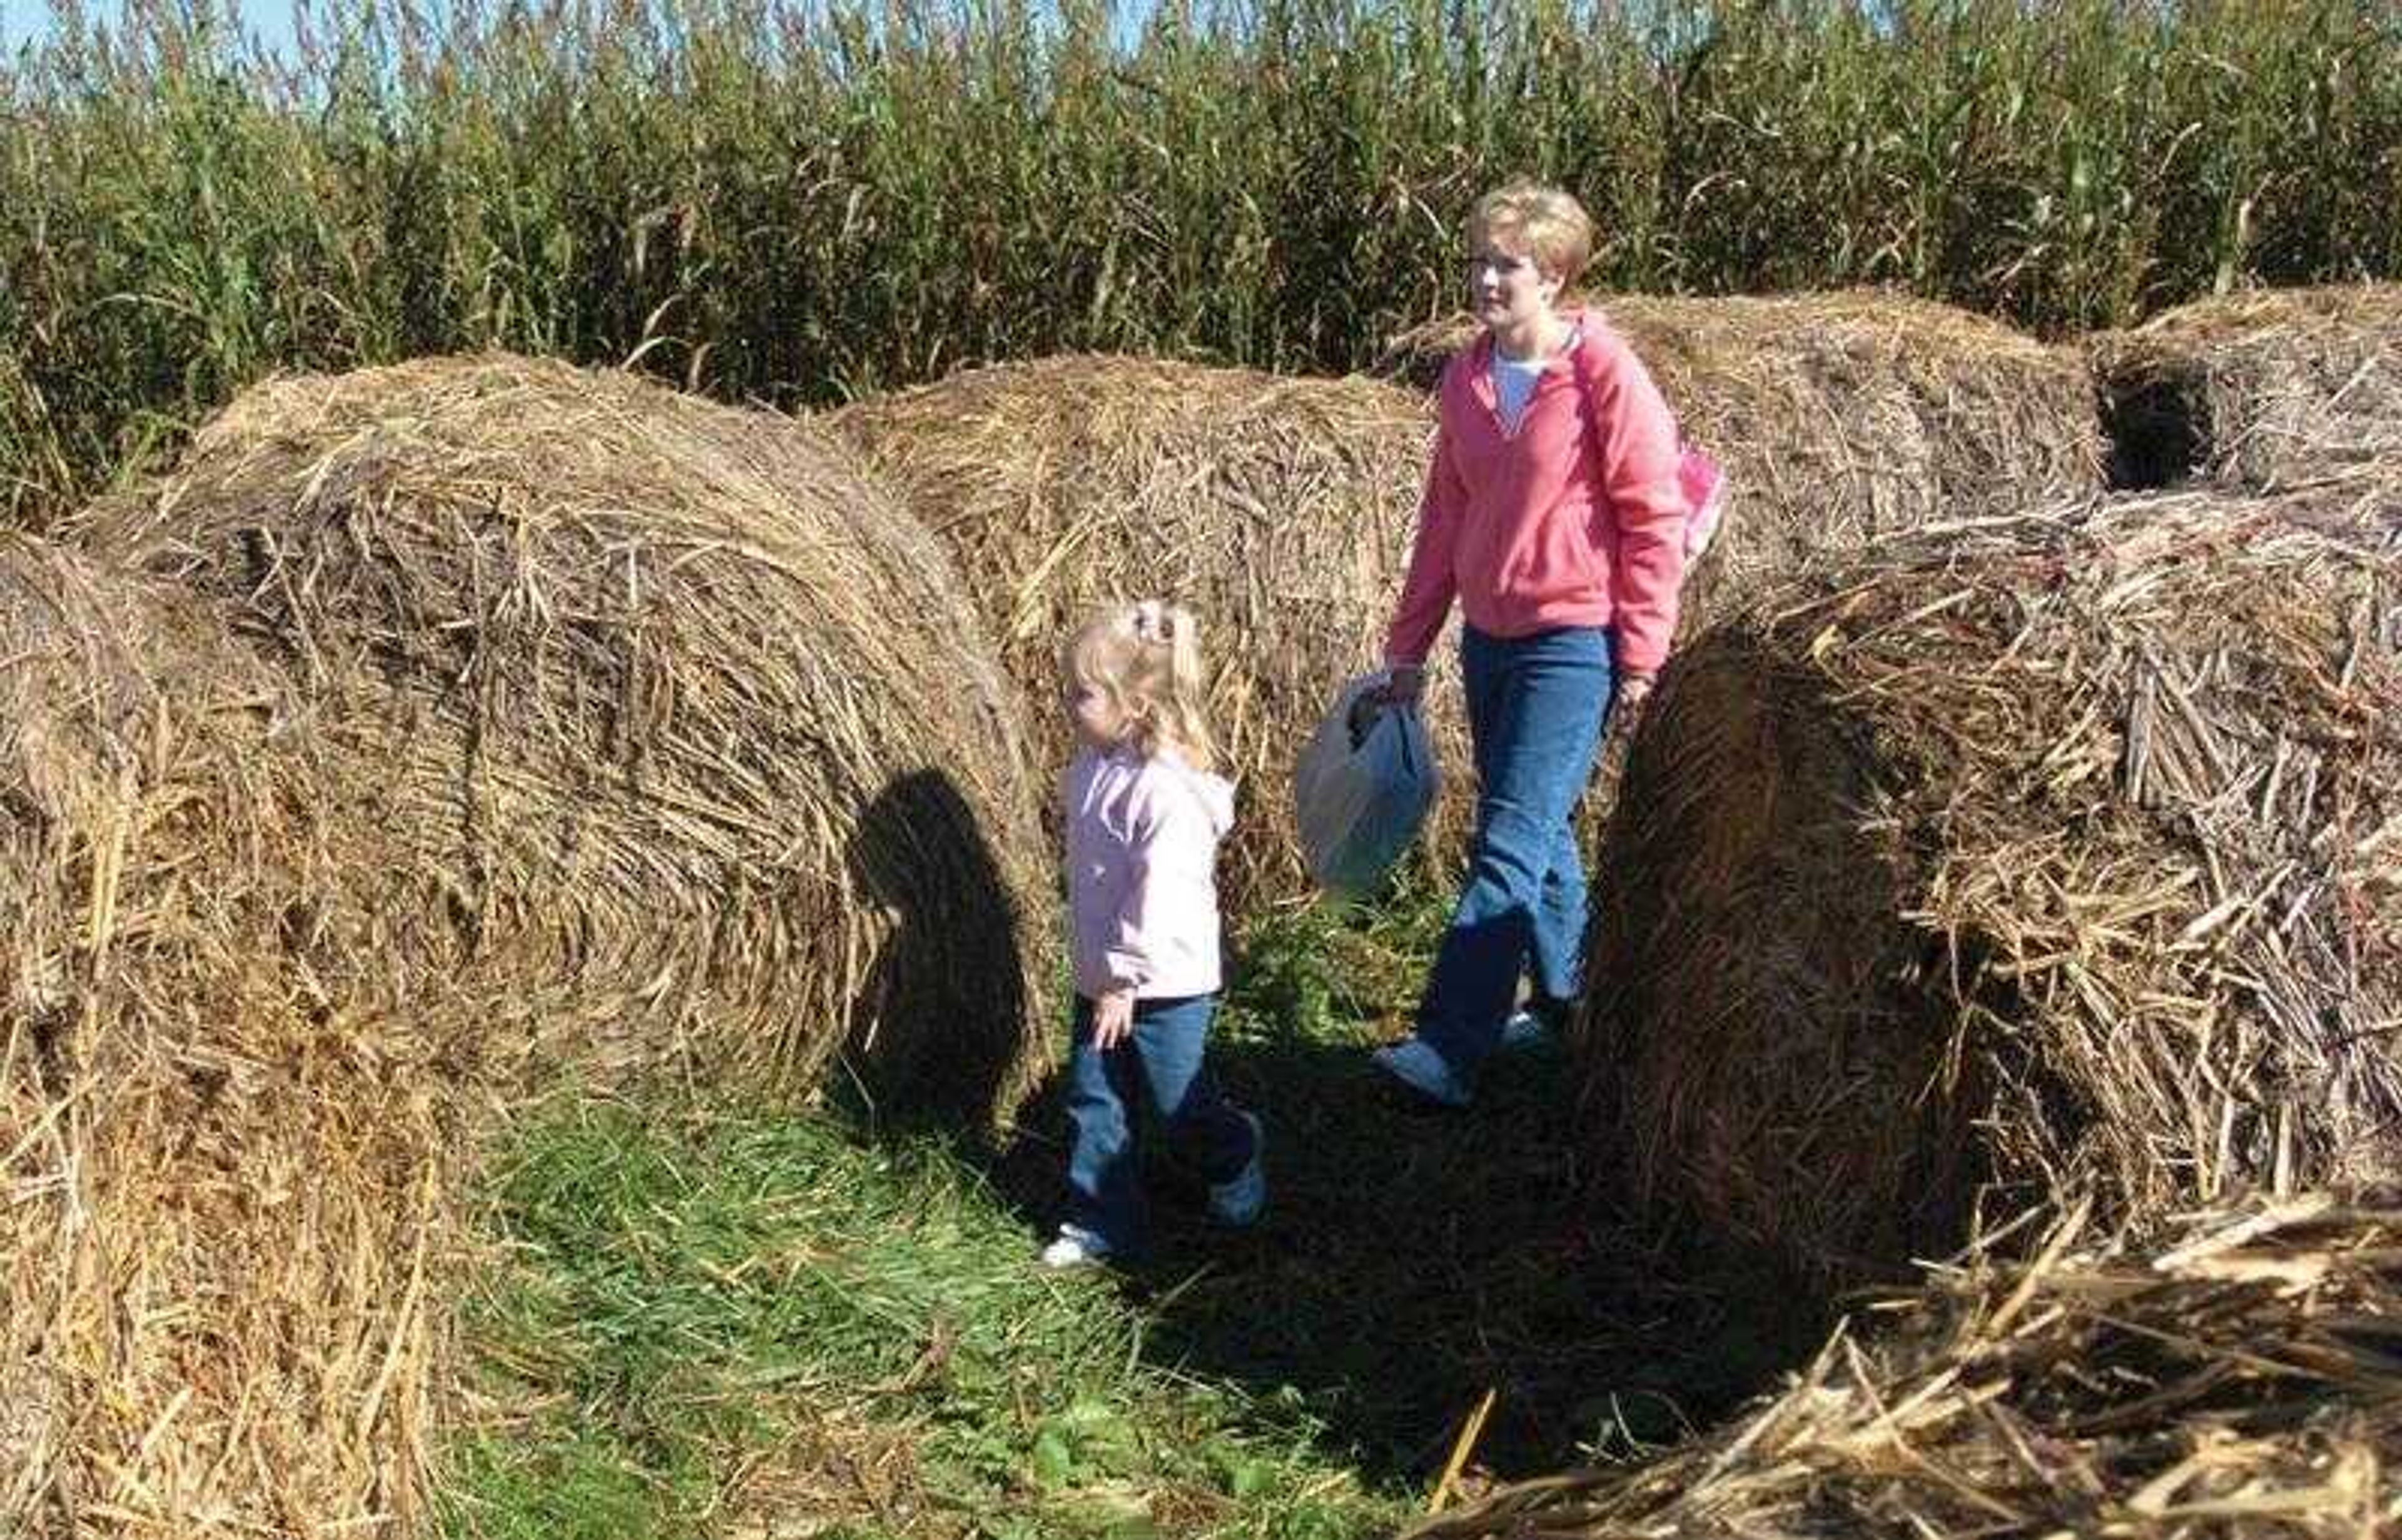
(1142, 854)
(1564, 522)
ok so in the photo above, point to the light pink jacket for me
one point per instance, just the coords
(1564, 522)
(1142, 856)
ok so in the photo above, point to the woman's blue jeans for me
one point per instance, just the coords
(1160, 1063)
(1536, 709)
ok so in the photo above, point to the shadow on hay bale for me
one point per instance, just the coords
(912, 978)
(1280, 510)
(682, 735)
(2258, 389)
(2061, 850)
(2233, 1377)
(225, 1170)
(1843, 419)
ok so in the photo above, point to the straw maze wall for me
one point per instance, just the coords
(2050, 847)
(1857, 387)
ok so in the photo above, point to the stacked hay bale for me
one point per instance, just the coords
(219, 1210)
(473, 722)
(2065, 852)
(684, 733)
(1843, 419)
(2260, 390)
(1280, 510)
(2232, 1377)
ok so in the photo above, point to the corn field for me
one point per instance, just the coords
(801, 201)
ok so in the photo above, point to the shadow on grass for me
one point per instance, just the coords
(1411, 1259)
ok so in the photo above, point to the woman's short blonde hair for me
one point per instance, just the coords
(1546, 223)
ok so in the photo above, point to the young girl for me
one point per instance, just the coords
(1144, 817)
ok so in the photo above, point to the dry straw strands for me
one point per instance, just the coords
(684, 736)
(2266, 389)
(1844, 418)
(2042, 850)
(219, 1181)
(475, 719)
(1278, 510)
(2238, 1377)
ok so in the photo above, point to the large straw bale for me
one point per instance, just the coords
(1280, 510)
(1842, 418)
(465, 722)
(2065, 849)
(684, 736)
(2261, 390)
(2234, 1379)
(225, 1164)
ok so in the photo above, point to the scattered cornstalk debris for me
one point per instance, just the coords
(2234, 1373)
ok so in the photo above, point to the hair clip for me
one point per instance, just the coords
(1152, 623)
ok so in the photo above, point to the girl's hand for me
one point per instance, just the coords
(1113, 1018)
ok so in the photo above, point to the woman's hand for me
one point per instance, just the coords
(1113, 1017)
(1405, 683)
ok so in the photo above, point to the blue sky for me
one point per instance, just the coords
(22, 21)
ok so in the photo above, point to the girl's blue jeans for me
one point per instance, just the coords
(1536, 709)
(1160, 1066)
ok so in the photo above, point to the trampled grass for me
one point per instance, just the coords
(720, 1320)
(739, 1322)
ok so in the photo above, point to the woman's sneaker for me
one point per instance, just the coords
(1075, 1246)
(1238, 1200)
(1423, 1070)
(1541, 1025)
(1525, 1032)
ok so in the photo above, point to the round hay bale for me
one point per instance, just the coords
(225, 1166)
(684, 737)
(2062, 850)
(1280, 510)
(2225, 1379)
(1843, 419)
(2260, 390)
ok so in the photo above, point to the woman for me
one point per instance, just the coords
(1553, 513)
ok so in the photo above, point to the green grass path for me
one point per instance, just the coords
(728, 1321)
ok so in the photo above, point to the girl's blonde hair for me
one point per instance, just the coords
(1552, 225)
(1147, 658)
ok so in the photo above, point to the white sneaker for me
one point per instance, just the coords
(1526, 1030)
(1075, 1247)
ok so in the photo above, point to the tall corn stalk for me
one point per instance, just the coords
(801, 201)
